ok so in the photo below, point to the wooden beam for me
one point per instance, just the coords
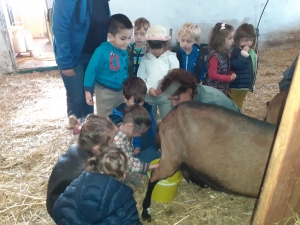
(279, 202)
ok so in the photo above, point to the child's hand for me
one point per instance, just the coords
(246, 48)
(68, 73)
(89, 98)
(136, 151)
(151, 167)
(233, 76)
(152, 92)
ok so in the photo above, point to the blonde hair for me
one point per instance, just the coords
(111, 161)
(190, 28)
(141, 23)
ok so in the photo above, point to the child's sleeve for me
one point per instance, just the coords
(95, 64)
(213, 66)
(142, 72)
(136, 166)
(137, 142)
(237, 60)
(174, 63)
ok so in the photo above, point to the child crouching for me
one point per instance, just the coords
(98, 196)
(136, 121)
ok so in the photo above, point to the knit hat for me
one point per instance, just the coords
(157, 33)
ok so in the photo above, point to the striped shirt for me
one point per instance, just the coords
(134, 165)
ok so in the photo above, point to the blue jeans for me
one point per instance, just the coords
(149, 154)
(76, 104)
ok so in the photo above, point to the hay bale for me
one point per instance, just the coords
(33, 136)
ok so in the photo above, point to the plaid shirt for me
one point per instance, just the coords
(134, 165)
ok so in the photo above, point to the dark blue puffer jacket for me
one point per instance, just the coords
(95, 198)
(243, 69)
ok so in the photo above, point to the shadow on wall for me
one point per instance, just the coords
(281, 39)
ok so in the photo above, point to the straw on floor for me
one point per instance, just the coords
(33, 135)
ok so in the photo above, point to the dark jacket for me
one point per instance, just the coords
(147, 138)
(243, 69)
(68, 167)
(195, 62)
(71, 22)
(95, 198)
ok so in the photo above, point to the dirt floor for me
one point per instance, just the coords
(33, 135)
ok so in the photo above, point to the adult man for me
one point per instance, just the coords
(79, 27)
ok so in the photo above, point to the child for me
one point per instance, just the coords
(134, 92)
(109, 67)
(243, 63)
(98, 196)
(218, 60)
(137, 49)
(155, 65)
(135, 122)
(94, 134)
(190, 55)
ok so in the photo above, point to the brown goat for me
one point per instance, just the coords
(220, 148)
(275, 107)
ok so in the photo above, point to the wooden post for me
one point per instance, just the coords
(279, 201)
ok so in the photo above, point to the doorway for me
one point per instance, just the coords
(30, 35)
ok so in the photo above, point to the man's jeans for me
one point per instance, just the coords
(76, 104)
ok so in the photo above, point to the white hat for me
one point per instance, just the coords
(157, 33)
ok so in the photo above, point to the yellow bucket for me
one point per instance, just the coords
(166, 190)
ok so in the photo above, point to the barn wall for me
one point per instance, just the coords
(6, 64)
(279, 23)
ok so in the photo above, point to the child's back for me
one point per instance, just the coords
(97, 196)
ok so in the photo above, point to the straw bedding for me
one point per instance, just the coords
(33, 136)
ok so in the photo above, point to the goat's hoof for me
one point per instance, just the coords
(146, 216)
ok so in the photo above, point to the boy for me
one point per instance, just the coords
(137, 49)
(190, 55)
(108, 66)
(134, 92)
(135, 122)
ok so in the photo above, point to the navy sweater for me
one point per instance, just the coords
(243, 69)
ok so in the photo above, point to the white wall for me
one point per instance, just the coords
(280, 21)
(6, 64)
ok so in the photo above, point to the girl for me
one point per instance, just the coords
(94, 134)
(155, 65)
(98, 195)
(136, 121)
(243, 63)
(218, 60)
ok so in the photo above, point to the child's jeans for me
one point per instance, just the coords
(107, 100)
(76, 104)
(148, 155)
(163, 104)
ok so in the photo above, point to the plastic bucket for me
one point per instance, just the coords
(166, 190)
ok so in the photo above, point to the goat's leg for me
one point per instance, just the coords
(147, 201)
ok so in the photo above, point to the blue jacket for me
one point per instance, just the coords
(242, 66)
(195, 62)
(71, 21)
(108, 67)
(68, 167)
(147, 138)
(95, 198)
